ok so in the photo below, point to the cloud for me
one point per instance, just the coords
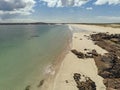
(14, 7)
(89, 8)
(64, 3)
(110, 2)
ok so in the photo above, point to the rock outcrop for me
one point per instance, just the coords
(87, 84)
(109, 63)
(89, 54)
(78, 54)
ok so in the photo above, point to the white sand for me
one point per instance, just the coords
(71, 64)
(97, 28)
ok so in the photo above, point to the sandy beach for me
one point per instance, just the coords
(72, 64)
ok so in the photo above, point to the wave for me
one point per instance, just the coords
(49, 70)
(70, 27)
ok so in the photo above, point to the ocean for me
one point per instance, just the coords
(26, 51)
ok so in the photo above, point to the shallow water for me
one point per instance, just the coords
(26, 50)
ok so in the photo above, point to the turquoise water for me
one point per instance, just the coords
(25, 51)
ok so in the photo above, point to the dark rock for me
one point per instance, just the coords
(112, 83)
(94, 52)
(91, 54)
(66, 81)
(85, 49)
(84, 85)
(109, 63)
(28, 87)
(41, 83)
(88, 55)
(105, 74)
(94, 32)
(77, 76)
(74, 51)
(78, 54)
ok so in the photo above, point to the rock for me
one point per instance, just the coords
(84, 85)
(88, 55)
(66, 81)
(109, 63)
(110, 89)
(74, 51)
(78, 54)
(91, 54)
(105, 74)
(76, 76)
(28, 87)
(41, 83)
(94, 52)
(112, 83)
(85, 49)
(93, 32)
(115, 40)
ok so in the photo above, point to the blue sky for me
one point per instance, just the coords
(68, 11)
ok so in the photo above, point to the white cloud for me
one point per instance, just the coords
(89, 8)
(23, 7)
(64, 3)
(110, 2)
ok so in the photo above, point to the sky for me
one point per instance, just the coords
(60, 11)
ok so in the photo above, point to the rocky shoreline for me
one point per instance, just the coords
(86, 84)
(109, 63)
(79, 69)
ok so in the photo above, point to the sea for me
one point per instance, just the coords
(26, 51)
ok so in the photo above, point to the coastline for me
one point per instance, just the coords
(69, 64)
(55, 66)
